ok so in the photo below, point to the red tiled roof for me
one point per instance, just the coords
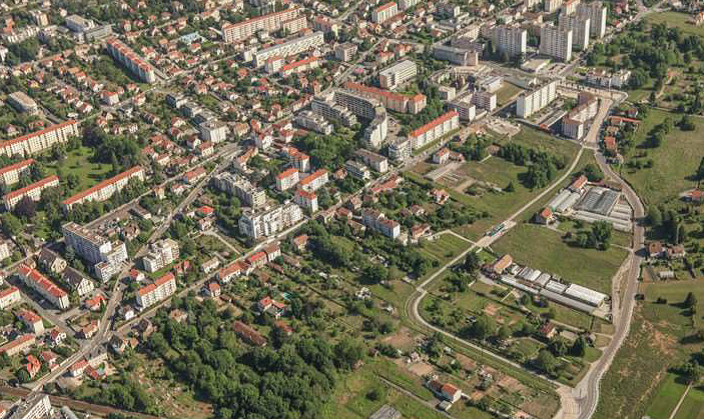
(37, 133)
(313, 176)
(434, 123)
(287, 173)
(35, 185)
(101, 185)
(16, 166)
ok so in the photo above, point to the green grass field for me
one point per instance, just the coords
(544, 249)
(692, 406)
(78, 162)
(665, 180)
(665, 401)
(677, 20)
(506, 92)
(680, 323)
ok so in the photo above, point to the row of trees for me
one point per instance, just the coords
(542, 166)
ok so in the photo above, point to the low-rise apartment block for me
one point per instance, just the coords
(397, 74)
(23, 103)
(33, 191)
(161, 289)
(458, 56)
(105, 189)
(9, 175)
(376, 161)
(214, 131)
(39, 141)
(9, 296)
(270, 221)
(384, 12)
(106, 256)
(242, 188)
(20, 344)
(314, 181)
(395, 101)
(292, 47)
(574, 123)
(234, 32)
(160, 255)
(306, 200)
(345, 52)
(38, 282)
(124, 54)
(287, 179)
(434, 130)
(357, 170)
(377, 221)
(314, 122)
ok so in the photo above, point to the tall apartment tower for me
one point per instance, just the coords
(580, 30)
(556, 42)
(596, 12)
(509, 39)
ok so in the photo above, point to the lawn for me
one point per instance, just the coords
(680, 323)
(543, 141)
(78, 162)
(677, 20)
(506, 92)
(669, 394)
(543, 249)
(665, 180)
(693, 405)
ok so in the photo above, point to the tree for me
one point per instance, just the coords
(579, 347)
(602, 232)
(546, 362)
(654, 216)
(376, 273)
(11, 225)
(26, 208)
(593, 173)
(481, 328)
(700, 172)
(503, 333)
(348, 352)
(690, 301)
(471, 262)
(558, 347)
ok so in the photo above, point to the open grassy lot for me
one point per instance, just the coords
(665, 180)
(506, 92)
(673, 312)
(544, 249)
(78, 162)
(692, 406)
(543, 141)
(667, 397)
(683, 21)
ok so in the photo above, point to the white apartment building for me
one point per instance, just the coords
(234, 32)
(106, 256)
(345, 52)
(530, 102)
(376, 161)
(131, 60)
(242, 188)
(580, 30)
(596, 13)
(307, 200)
(460, 56)
(464, 106)
(395, 101)
(551, 6)
(292, 47)
(270, 221)
(33, 191)
(9, 296)
(407, 4)
(384, 12)
(9, 175)
(400, 150)
(434, 129)
(377, 221)
(368, 108)
(161, 254)
(556, 43)
(574, 123)
(162, 288)
(569, 7)
(38, 282)
(39, 141)
(397, 74)
(511, 40)
(314, 181)
(35, 406)
(314, 122)
(287, 179)
(23, 103)
(608, 79)
(105, 189)
(214, 131)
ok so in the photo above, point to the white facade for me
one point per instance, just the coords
(292, 47)
(596, 13)
(39, 141)
(511, 40)
(531, 102)
(391, 77)
(269, 222)
(580, 30)
(556, 43)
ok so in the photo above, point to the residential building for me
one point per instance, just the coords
(287, 179)
(214, 131)
(328, 109)
(395, 101)
(346, 51)
(434, 130)
(400, 150)
(35, 406)
(314, 122)
(530, 102)
(407, 4)
(596, 12)
(39, 141)
(569, 7)
(327, 25)
(106, 256)
(234, 32)
(306, 200)
(31, 320)
(77, 282)
(242, 188)
(512, 40)
(249, 334)
(78, 24)
(384, 12)
(162, 288)
(551, 6)
(51, 261)
(33, 191)
(291, 47)
(574, 123)
(602, 78)
(11, 174)
(269, 221)
(314, 181)
(580, 30)
(377, 221)
(20, 344)
(300, 66)
(38, 282)
(162, 253)
(458, 56)
(376, 161)
(22, 103)
(124, 54)
(357, 170)
(556, 43)
(4, 254)
(105, 189)
(368, 108)
(397, 74)
(464, 106)
(9, 296)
